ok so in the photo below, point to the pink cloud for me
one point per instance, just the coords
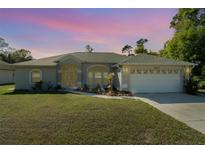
(92, 39)
(104, 31)
(108, 26)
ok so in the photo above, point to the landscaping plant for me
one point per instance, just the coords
(191, 85)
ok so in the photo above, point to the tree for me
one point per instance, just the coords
(140, 46)
(11, 55)
(88, 48)
(127, 49)
(16, 56)
(3, 43)
(189, 37)
(21, 55)
(5, 50)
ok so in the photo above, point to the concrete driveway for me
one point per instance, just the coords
(189, 109)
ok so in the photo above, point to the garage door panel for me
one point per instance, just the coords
(150, 83)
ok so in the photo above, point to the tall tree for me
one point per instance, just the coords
(189, 37)
(21, 55)
(140, 48)
(127, 49)
(11, 55)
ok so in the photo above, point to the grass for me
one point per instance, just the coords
(76, 119)
(6, 89)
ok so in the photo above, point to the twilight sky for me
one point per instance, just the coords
(47, 32)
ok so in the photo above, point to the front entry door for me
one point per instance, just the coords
(69, 75)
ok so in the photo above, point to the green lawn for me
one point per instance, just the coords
(6, 89)
(77, 119)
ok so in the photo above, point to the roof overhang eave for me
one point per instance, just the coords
(34, 66)
(145, 64)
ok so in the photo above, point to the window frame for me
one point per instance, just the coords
(30, 75)
(94, 79)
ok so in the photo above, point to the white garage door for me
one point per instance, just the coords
(156, 83)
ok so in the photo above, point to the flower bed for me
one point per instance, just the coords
(118, 93)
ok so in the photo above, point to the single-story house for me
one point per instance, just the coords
(139, 74)
(6, 73)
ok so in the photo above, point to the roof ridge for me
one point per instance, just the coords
(96, 52)
(78, 52)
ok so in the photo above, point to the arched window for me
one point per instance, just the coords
(97, 75)
(35, 76)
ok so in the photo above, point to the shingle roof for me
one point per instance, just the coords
(145, 59)
(105, 57)
(49, 61)
(94, 57)
(4, 65)
(98, 57)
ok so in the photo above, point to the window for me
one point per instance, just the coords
(151, 71)
(35, 76)
(105, 78)
(138, 71)
(164, 71)
(97, 75)
(90, 78)
(175, 71)
(157, 71)
(105, 75)
(132, 71)
(145, 71)
(98, 78)
(169, 71)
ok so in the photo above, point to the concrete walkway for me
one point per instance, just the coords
(189, 109)
(107, 97)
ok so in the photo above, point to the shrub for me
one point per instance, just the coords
(49, 85)
(85, 88)
(58, 87)
(110, 80)
(118, 93)
(39, 85)
(202, 85)
(191, 85)
(97, 89)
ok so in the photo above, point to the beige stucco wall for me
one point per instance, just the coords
(22, 77)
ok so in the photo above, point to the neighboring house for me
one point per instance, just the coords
(139, 74)
(6, 73)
